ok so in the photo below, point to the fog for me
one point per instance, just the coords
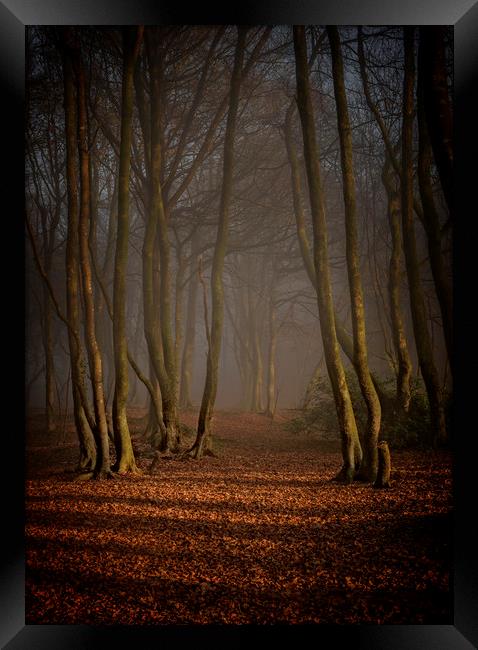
(264, 270)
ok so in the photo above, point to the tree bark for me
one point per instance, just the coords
(102, 467)
(368, 470)
(158, 330)
(125, 460)
(431, 220)
(437, 104)
(271, 361)
(342, 335)
(404, 370)
(203, 442)
(84, 420)
(384, 466)
(190, 333)
(351, 449)
(417, 304)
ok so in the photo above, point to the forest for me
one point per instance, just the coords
(239, 324)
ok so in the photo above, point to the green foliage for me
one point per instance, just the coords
(401, 430)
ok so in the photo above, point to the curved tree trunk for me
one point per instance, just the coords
(368, 470)
(203, 442)
(342, 335)
(84, 420)
(404, 370)
(125, 460)
(351, 449)
(417, 303)
(102, 467)
(158, 330)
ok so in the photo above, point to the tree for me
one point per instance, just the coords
(124, 450)
(84, 420)
(417, 303)
(427, 117)
(404, 365)
(203, 442)
(368, 470)
(102, 466)
(436, 103)
(351, 449)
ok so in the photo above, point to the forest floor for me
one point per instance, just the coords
(258, 534)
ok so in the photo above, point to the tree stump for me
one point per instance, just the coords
(384, 466)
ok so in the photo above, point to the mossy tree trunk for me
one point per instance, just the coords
(351, 449)
(125, 460)
(368, 470)
(158, 331)
(417, 302)
(84, 420)
(102, 467)
(203, 442)
(404, 365)
(343, 337)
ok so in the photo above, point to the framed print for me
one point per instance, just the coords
(96, 145)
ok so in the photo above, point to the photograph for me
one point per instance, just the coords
(241, 282)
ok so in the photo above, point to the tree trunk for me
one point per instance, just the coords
(190, 333)
(178, 318)
(384, 466)
(203, 442)
(125, 460)
(342, 336)
(437, 105)
(83, 418)
(351, 449)
(162, 350)
(102, 467)
(271, 362)
(417, 304)
(404, 370)
(368, 470)
(49, 363)
(431, 220)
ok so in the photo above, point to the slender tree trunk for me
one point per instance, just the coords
(49, 363)
(125, 460)
(342, 336)
(368, 470)
(190, 333)
(417, 303)
(271, 361)
(178, 318)
(102, 467)
(437, 104)
(404, 370)
(431, 220)
(203, 442)
(162, 350)
(84, 421)
(351, 449)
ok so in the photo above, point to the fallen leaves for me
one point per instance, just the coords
(258, 535)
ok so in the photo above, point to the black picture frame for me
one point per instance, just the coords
(14, 16)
